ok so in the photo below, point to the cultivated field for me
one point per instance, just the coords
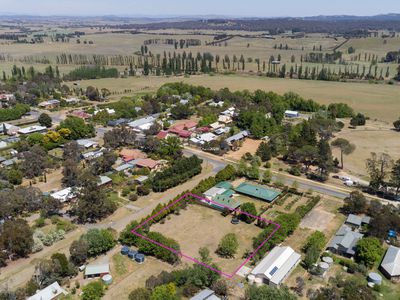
(199, 226)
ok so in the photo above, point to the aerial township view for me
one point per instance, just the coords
(170, 150)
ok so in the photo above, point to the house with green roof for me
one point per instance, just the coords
(222, 201)
(224, 184)
(257, 191)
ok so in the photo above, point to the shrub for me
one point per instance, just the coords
(40, 222)
(133, 197)
(228, 245)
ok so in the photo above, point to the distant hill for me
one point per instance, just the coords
(340, 24)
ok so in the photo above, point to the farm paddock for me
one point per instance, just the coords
(198, 226)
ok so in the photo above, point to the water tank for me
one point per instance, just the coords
(139, 258)
(258, 281)
(125, 250)
(375, 278)
(251, 279)
(132, 253)
(107, 279)
(323, 266)
(328, 260)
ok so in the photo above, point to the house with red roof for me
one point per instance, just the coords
(131, 154)
(162, 135)
(80, 114)
(184, 129)
(147, 163)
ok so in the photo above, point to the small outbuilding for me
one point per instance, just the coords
(92, 271)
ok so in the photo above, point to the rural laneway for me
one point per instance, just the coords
(303, 183)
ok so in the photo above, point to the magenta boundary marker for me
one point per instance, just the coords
(227, 275)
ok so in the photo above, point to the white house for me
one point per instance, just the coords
(51, 292)
(291, 114)
(276, 266)
(143, 123)
(32, 129)
(207, 137)
(87, 143)
(64, 195)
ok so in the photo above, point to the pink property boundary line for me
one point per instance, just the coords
(277, 226)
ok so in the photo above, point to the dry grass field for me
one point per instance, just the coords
(375, 100)
(249, 145)
(199, 226)
(375, 137)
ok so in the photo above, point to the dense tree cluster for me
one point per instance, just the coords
(181, 170)
(13, 113)
(77, 127)
(93, 203)
(91, 72)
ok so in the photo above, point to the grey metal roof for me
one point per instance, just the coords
(97, 269)
(366, 220)
(346, 239)
(277, 264)
(205, 294)
(354, 220)
(391, 261)
(142, 121)
(238, 136)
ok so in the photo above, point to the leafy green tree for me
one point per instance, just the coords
(171, 147)
(345, 148)
(16, 238)
(126, 237)
(79, 129)
(325, 160)
(316, 239)
(307, 155)
(79, 251)
(93, 203)
(356, 203)
(45, 120)
(266, 292)
(368, 251)
(164, 292)
(267, 176)
(93, 291)
(264, 152)
(181, 111)
(311, 257)
(99, 241)
(249, 208)
(378, 167)
(358, 120)
(228, 245)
